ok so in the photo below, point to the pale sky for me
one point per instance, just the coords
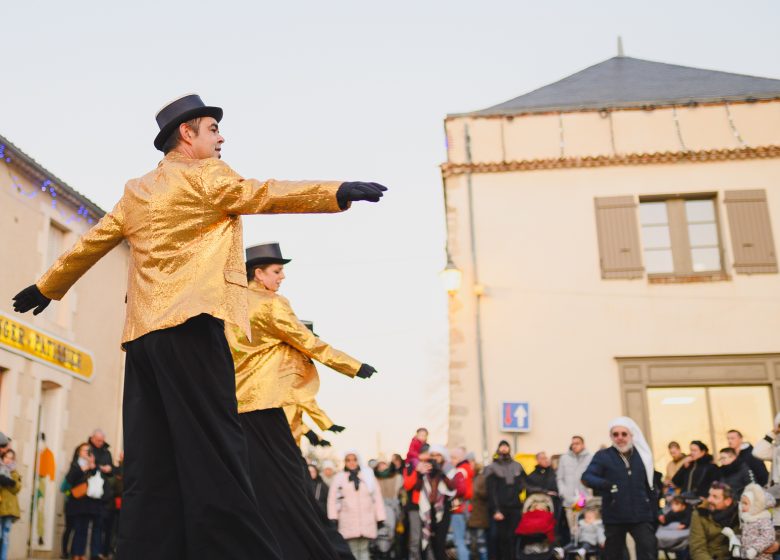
(350, 90)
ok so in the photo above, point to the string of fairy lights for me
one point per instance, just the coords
(46, 187)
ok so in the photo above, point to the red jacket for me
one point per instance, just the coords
(464, 481)
(536, 522)
(412, 484)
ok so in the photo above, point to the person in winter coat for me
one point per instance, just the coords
(105, 463)
(355, 502)
(478, 521)
(623, 476)
(707, 541)
(768, 449)
(745, 455)
(10, 484)
(319, 488)
(675, 452)
(571, 467)
(757, 533)
(543, 478)
(697, 473)
(464, 481)
(737, 475)
(85, 510)
(505, 481)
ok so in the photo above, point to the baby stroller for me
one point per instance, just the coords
(535, 533)
(383, 546)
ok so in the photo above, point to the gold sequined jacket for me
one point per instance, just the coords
(275, 368)
(183, 223)
(294, 414)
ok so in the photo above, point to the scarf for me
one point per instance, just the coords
(354, 477)
(640, 445)
(432, 502)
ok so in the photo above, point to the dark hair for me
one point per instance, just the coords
(6, 452)
(421, 430)
(250, 273)
(728, 450)
(679, 500)
(701, 445)
(727, 491)
(79, 446)
(582, 439)
(173, 139)
(736, 432)
(673, 444)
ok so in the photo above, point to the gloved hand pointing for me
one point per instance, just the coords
(29, 298)
(357, 190)
(365, 371)
(335, 428)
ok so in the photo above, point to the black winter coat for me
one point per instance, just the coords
(501, 495)
(626, 495)
(756, 465)
(541, 480)
(737, 475)
(697, 477)
(103, 457)
(84, 505)
(320, 491)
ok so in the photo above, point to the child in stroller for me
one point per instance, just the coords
(589, 537)
(536, 530)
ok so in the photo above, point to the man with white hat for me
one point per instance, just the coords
(187, 492)
(623, 475)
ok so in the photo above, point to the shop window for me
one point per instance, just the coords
(683, 414)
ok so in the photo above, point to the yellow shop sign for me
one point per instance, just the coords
(24, 339)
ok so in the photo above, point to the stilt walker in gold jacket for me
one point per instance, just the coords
(274, 369)
(187, 490)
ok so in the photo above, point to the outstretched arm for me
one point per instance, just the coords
(289, 329)
(233, 194)
(89, 249)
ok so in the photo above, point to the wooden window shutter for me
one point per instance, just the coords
(618, 232)
(751, 232)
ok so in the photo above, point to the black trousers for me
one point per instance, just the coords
(505, 534)
(281, 480)
(187, 493)
(643, 535)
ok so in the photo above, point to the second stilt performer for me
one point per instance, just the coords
(274, 369)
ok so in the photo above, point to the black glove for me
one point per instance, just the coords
(380, 524)
(6, 481)
(357, 190)
(335, 428)
(324, 443)
(365, 371)
(29, 298)
(312, 436)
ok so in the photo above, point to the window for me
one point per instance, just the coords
(680, 237)
(683, 414)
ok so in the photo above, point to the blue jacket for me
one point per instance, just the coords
(626, 498)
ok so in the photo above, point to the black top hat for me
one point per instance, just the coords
(266, 253)
(182, 110)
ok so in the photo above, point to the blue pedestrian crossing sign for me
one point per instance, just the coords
(515, 416)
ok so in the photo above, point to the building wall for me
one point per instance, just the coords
(552, 328)
(91, 316)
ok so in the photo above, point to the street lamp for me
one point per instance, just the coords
(451, 277)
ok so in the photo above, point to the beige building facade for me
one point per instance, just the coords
(617, 234)
(61, 372)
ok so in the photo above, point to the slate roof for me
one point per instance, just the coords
(624, 81)
(38, 172)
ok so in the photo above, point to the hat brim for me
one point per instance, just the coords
(265, 260)
(166, 131)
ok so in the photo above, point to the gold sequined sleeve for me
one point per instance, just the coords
(289, 329)
(317, 414)
(89, 249)
(233, 194)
